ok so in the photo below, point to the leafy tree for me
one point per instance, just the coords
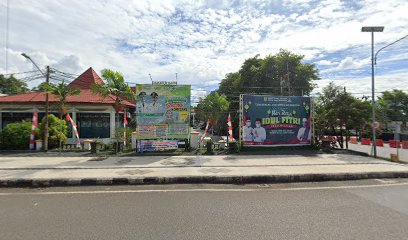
(393, 106)
(11, 85)
(116, 86)
(214, 107)
(16, 136)
(57, 130)
(281, 74)
(60, 91)
(336, 110)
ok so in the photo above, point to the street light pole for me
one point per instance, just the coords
(47, 104)
(372, 30)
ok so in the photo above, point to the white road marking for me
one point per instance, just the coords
(203, 190)
(385, 181)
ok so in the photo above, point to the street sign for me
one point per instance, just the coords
(377, 125)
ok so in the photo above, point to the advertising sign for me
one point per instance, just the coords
(153, 146)
(163, 111)
(276, 120)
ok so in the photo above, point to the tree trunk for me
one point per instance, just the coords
(60, 139)
(116, 132)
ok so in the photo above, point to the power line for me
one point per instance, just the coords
(18, 73)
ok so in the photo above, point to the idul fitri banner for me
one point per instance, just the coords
(163, 111)
(276, 120)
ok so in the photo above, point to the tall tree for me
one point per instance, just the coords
(214, 107)
(116, 86)
(336, 110)
(60, 91)
(393, 106)
(11, 85)
(281, 74)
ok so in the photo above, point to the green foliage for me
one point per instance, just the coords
(279, 74)
(336, 108)
(11, 85)
(57, 130)
(367, 132)
(392, 106)
(61, 91)
(214, 107)
(128, 135)
(16, 136)
(115, 85)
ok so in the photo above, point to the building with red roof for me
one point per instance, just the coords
(93, 113)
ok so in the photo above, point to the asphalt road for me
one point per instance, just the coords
(372, 209)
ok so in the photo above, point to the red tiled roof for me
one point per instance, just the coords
(86, 96)
(84, 81)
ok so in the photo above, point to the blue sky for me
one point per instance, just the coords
(202, 41)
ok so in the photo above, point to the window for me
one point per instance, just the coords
(93, 125)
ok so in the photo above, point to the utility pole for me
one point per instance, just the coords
(347, 133)
(372, 29)
(47, 107)
(281, 85)
(287, 72)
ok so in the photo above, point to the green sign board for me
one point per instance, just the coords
(163, 111)
(276, 120)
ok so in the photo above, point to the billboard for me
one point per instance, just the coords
(275, 120)
(163, 111)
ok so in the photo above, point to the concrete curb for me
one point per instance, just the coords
(200, 179)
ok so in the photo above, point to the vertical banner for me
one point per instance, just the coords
(205, 130)
(34, 125)
(125, 122)
(276, 120)
(229, 127)
(74, 127)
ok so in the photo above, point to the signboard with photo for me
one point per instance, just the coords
(276, 120)
(163, 111)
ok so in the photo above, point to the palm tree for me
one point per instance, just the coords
(60, 91)
(116, 86)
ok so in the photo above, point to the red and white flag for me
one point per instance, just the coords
(229, 127)
(125, 122)
(74, 127)
(205, 131)
(34, 125)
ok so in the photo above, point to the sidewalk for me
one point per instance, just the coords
(52, 170)
(383, 152)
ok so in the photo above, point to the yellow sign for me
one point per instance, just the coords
(184, 115)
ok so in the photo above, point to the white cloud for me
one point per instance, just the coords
(325, 63)
(200, 40)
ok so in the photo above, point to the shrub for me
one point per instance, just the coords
(57, 129)
(16, 136)
(128, 135)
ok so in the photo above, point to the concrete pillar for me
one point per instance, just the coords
(222, 144)
(194, 140)
(38, 145)
(112, 124)
(134, 138)
(87, 144)
(74, 118)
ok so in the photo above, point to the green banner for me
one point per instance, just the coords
(276, 120)
(163, 111)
